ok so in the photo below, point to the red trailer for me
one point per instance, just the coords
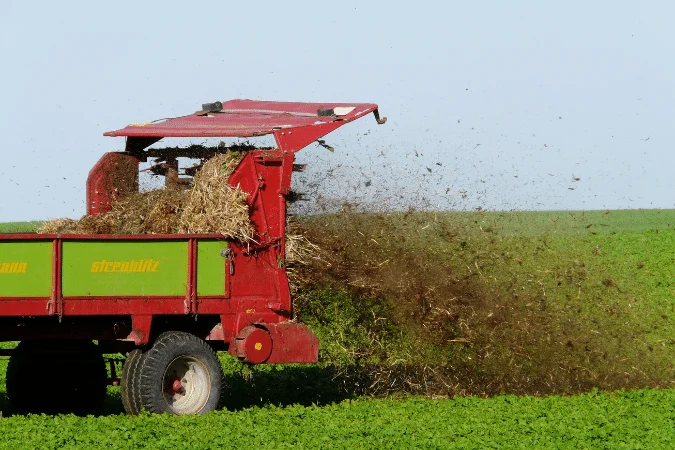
(167, 302)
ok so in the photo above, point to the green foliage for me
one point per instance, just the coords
(624, 419)
(351, 329)
(20, 227)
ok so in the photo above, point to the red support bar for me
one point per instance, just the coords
(55, 303)
(140, 332)
(192, 275)
(111, 306)
(59, 280)
(229, 272)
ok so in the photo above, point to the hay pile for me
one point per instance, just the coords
(210, 206)
(152, 212)
(213, 206)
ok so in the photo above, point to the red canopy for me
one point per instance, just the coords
(293, 124)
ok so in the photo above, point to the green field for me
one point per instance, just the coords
(19, 227)
(636, 419)
(459, 306)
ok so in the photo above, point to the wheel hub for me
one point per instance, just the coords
(187, 385)
(177, 386)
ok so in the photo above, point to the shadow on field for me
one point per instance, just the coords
(324, 384)
(284, 386)
(111, 407)
(273, 385)
(320, 385)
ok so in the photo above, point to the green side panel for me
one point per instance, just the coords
(26, 269)
(211, 267)
(130, 268)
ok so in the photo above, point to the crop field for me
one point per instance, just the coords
(636, 419)
(464, 330)
(18, 227)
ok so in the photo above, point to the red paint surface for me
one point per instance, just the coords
(252, 345)
(104, 183)
(293, 124)
(292, 343)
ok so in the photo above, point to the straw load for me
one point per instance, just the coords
(210, 206)
(213, 206)
(153, 212)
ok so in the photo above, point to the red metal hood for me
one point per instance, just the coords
(293, 124)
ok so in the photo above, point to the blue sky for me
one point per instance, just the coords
(497, 105)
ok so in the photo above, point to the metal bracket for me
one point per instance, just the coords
(381, 121)
(207, 108)
(227, 254)
(261, 246)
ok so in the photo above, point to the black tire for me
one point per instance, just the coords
(182, 358)
(131, 391)
(57, 377)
